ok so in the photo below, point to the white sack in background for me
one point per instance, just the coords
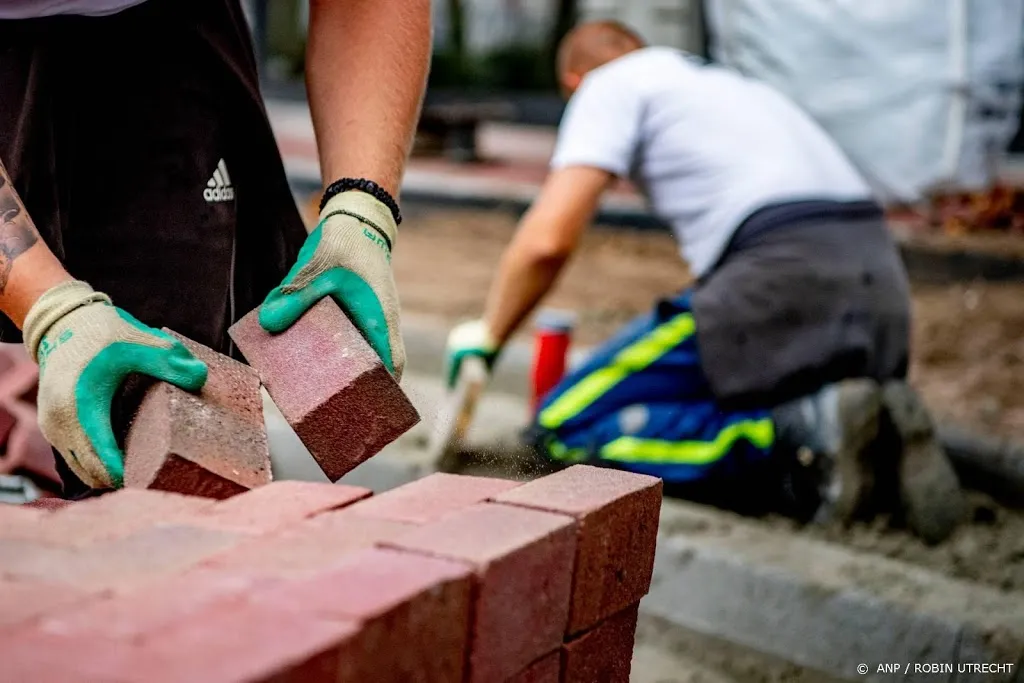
(922, 94)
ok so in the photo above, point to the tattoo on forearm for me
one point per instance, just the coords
(17, 233)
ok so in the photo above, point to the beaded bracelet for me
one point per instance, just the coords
(363, 185)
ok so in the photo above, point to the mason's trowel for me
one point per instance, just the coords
(455, 416)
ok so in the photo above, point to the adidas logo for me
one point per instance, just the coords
(219, 188)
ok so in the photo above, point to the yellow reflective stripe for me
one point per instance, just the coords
(559, 451)
(761, 433)
(629, 360)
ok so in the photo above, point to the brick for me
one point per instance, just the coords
(23, 601)
(110, 516)
(213, 444)
(617, 514)
(547, 669)
(27, 449)
(246, 643)
(48, 504)
(279, 504)
(147, 610)
(30, 655)
(431, 497)
(120, 563)
(150, 554)
(19, 382)
(413, 613)
(29, 560)
(523, 561)
(7, 422)
(19, 521)
(329, 384)
(603, 654)
(310, 546)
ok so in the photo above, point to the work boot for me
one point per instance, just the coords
(929, 490)
(830, 433)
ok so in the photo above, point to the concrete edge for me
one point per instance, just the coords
(823, 606)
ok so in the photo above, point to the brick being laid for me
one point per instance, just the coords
(331, 387)
(211, 444)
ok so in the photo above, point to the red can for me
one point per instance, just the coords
(552, 337)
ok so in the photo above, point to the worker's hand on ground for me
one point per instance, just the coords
(85, 348)
(469, 339)
(348, 257)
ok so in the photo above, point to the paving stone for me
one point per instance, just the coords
(277, 505)
(114, 515)
(329, 384)
(432, 497)
(25, 601)
(213, 444)
(547, 669)
(311, 546)
(523, 562)
(602, 654)
(147, 610)
(413, 613)
(617, 521)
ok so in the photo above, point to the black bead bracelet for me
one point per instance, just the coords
(363, 185)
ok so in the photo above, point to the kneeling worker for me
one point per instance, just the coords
(793, 344)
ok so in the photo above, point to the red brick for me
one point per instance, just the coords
(113, 515)
(603, 654)
(120, 563)
(329, 385)
(23, 601)
(49, 504)
(413, 613)
(19, 382)
(279, 504)
(431, 497)
(243, 643)
(147, 610)
(618, 530)
(547, 669)
(29, 655)
(19, 521)
(522, 560)
(311, 545)
(27, 449)
(7, 422)
(213, 444)
(29, 560)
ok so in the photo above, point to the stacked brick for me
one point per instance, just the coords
(24, 450)
(449, 578)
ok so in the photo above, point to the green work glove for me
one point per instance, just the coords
(469, 339)
(85, 348)
(348, 257)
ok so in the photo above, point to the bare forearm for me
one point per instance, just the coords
(366, 69)
(27, 266)
(524, 277)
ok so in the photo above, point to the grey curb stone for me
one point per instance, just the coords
(825, 607)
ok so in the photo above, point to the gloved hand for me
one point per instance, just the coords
(348, 257)
(469, 339)
(85, 348)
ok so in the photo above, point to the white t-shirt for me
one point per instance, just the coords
(707, 146)
(29, 9)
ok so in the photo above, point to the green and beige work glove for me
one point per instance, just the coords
(347, 257)
(86, 348)
(469, 339)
